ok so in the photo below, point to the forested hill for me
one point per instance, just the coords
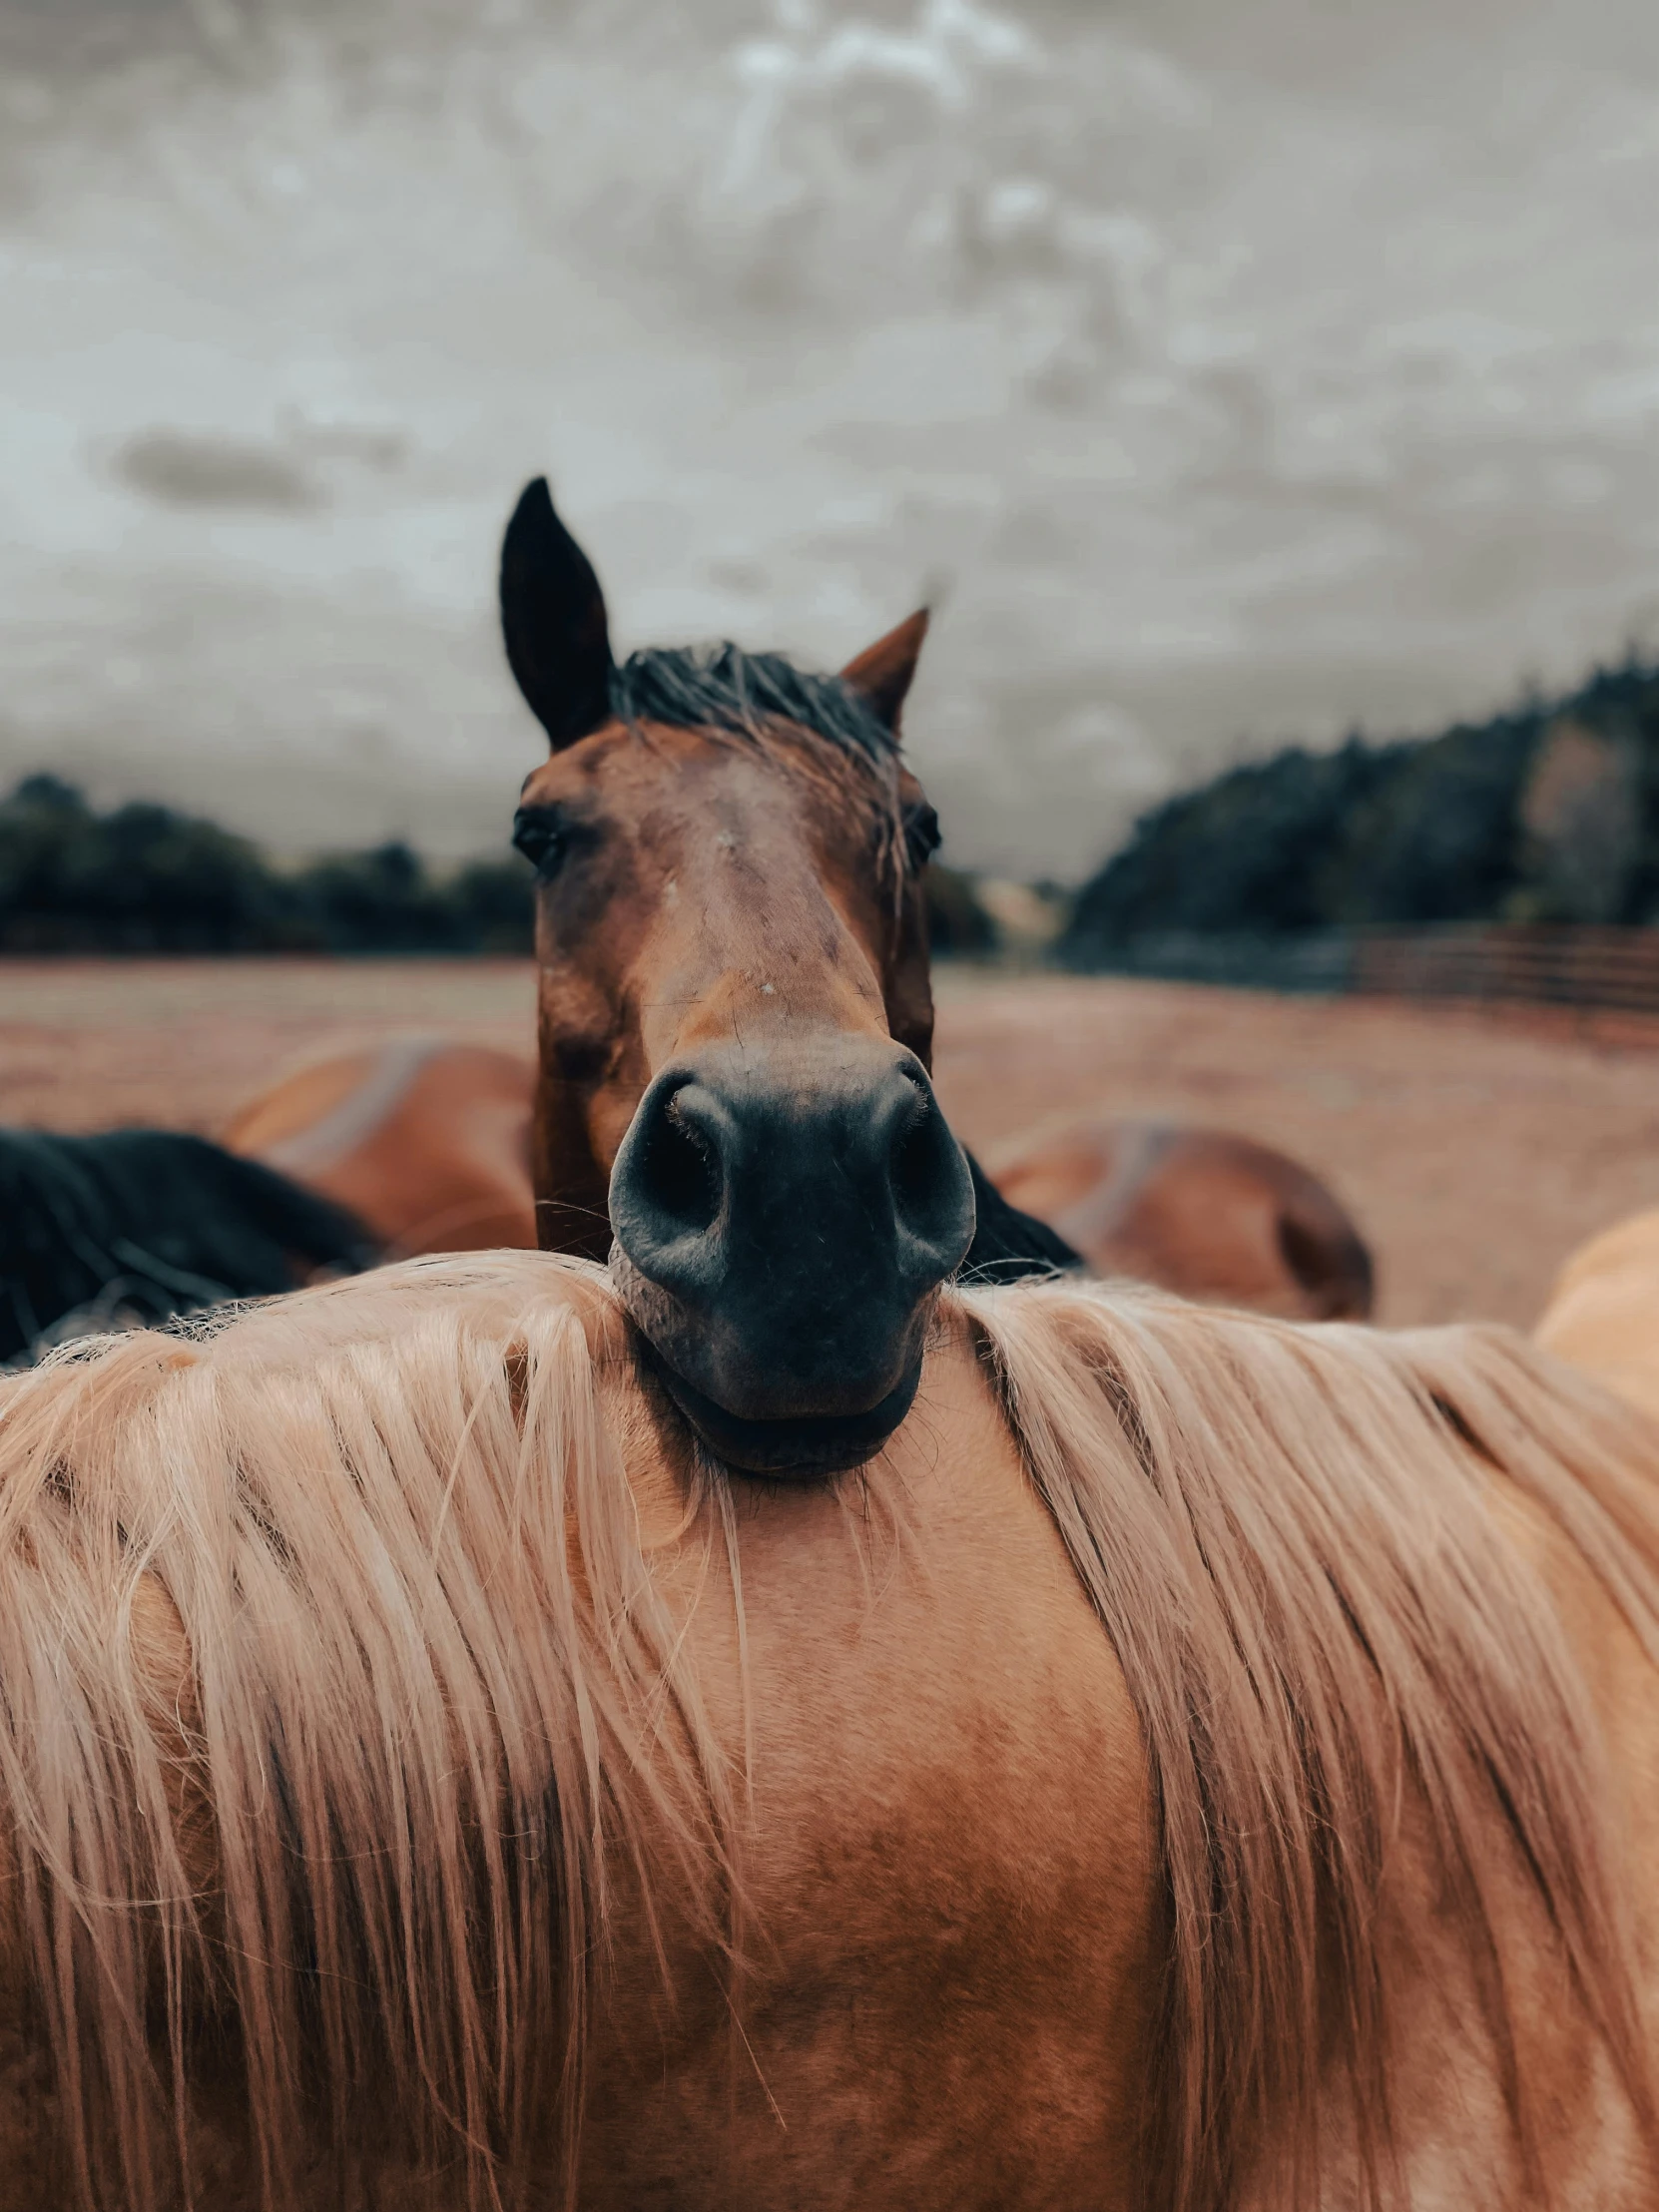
(1549, 812)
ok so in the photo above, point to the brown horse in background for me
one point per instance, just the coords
(736, 1021)
(730, 936)
(734, 1016)
(1201, 1766)
(428, 1143)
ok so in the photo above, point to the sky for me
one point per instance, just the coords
(1222, 371)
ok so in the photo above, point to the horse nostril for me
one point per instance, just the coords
(919, 1167)
(913, 1161)
(676, 1174)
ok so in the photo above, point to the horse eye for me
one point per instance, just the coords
(921, 835)
(539, 838)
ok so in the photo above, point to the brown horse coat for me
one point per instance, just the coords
(426, 1141)
(1199, 1210)
(730, 922)
(1202, 1763)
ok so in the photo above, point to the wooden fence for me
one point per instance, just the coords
(1616, 970)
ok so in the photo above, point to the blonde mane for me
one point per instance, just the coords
(1288, 1533)
(366, 1812)
(343, 1711)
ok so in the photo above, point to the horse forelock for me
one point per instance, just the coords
(434, 1711)
(813, 723)
(724, 688)
(1292, 1546)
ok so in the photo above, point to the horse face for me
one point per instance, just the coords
(735, 1024)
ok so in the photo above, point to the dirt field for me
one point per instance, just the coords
(1474, 1152)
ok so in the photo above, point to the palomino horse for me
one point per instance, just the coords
(1202, 1765)
(428, 1142)
(1604, 1313)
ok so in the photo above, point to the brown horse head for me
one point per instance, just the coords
(735, 1015)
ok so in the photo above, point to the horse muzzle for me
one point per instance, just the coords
(783, 1225)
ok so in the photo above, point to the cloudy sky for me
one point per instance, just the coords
(1226, 369)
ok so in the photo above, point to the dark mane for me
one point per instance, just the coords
(133, 1225)
(722, 686)
(1009, 1246)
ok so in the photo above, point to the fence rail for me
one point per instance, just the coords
(1614, 970)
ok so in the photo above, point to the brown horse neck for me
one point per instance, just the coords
(572, 1184)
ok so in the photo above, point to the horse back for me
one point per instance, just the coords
(1603, 1312)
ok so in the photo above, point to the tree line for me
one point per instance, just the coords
(1549, 813)
(146, 878)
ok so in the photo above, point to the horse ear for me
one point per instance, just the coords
(882, 673)
(553, 621)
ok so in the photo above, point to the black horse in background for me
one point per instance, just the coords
(133, 1225)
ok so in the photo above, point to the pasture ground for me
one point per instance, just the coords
(1474, 1150)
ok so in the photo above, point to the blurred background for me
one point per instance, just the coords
(1251, 386)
